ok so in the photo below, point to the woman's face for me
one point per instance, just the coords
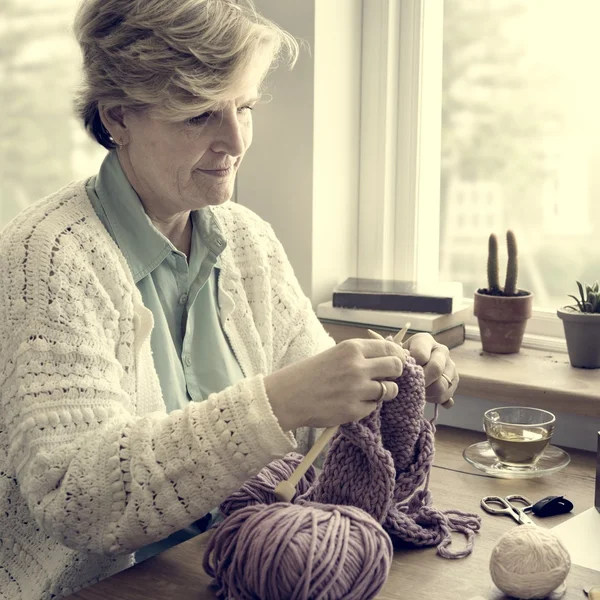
(178, 167)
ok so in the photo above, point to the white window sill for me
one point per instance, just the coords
(535, 377)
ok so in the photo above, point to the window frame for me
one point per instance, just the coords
(398, 130)
(399, 191)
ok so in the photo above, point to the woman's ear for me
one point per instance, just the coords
(114, 121)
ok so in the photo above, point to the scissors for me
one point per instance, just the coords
(496, 505)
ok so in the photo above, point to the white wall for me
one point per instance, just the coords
(301, 174)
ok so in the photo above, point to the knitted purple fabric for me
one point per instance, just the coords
(333, 540)
(378, 463)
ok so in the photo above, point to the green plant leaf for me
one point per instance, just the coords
(579, 305)
(581, 292)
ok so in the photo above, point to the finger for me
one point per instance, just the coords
(449, 370)
(449, 403)
(454, 386)
(391, 391)
(436, 365)
(388, 367)
(420, 346)
(436, 391)
(440, 390)
(363, 409)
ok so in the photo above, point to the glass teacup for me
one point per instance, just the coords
(518, 435)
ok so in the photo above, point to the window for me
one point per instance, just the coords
(486, 110)
(42, 145)
(520, 124)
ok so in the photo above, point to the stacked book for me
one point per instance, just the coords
(386, 306)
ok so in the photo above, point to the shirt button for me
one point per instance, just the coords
(183, 299)
(187, 360)
(219, 242)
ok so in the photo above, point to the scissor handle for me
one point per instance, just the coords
(487, 503)
(527, 504)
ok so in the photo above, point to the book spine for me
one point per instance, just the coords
(397, 302)
(391, 319)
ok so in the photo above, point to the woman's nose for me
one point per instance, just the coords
(231, 134)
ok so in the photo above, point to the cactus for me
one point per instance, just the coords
(512, 267)
(492, 265)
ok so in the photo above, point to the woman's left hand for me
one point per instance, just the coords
(441, 378)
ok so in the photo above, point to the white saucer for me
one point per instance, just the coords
(482, 457)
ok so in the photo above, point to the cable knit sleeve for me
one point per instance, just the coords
(97, 473)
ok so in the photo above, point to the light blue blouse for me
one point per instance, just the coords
(192, 355)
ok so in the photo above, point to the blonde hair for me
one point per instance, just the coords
(178, 57)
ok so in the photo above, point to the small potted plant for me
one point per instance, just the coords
(581, 322)
(502, 313)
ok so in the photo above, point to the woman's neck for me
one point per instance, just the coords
(177, 231)
(176, 227)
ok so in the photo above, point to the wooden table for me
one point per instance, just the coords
(416, 573)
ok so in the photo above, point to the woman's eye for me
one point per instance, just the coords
(200, 118)
(204, 117)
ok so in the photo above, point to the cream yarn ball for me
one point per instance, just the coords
(529, 562)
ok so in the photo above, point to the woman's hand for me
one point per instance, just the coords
(339, 385)
(441, 378)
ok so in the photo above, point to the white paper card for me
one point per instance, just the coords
(581, 536)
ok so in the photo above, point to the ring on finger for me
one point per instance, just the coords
(383, 391)
(447, 379)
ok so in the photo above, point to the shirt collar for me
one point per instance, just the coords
(143, 246)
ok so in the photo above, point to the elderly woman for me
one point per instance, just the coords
(155, 346)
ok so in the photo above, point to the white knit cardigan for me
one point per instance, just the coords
(91, 466)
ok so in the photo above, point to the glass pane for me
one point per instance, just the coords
(42, 145)
(521, 143)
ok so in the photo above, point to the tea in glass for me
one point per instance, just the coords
(518, 435)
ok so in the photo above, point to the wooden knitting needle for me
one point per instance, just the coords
(285, 490)
(398, 339)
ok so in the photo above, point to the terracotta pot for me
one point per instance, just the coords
(502, 321)
(582, 332)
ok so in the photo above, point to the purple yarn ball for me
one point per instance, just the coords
(303, 552)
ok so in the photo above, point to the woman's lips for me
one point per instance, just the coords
(218, 172)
